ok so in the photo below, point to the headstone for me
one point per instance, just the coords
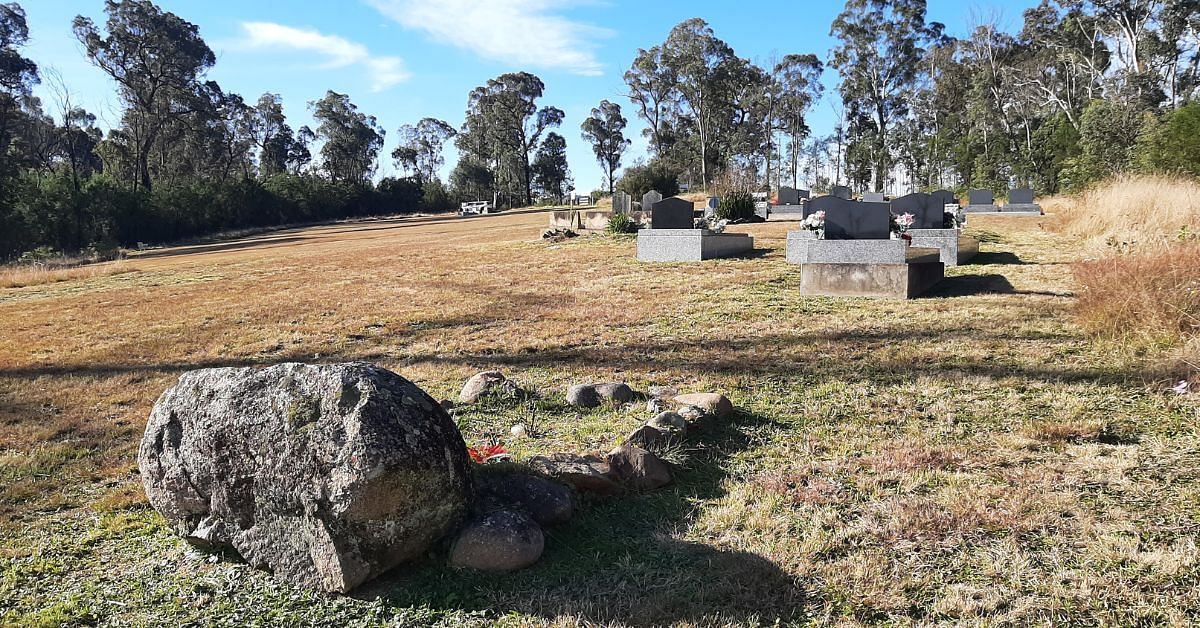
(788, 196)
(649, 199)
(848, 220)
(804, 194)
(943, 198)
(925, 214)
(1020, 196)
(622, 203)
(710, 207)
(762, 204)
(685, 187)
(673, 213)
(982, 197)
(874, 197)
(841, 191)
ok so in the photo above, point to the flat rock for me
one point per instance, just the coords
(616, 393)
(715, 404)
(484, 384)
(325, 475)
(584, 473)
(639, 469)
(669, 421)
(548, 502)
(583, 396)
(502, 540)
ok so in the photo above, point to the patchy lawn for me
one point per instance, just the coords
(967, 457)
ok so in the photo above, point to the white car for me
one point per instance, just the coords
(474, 208)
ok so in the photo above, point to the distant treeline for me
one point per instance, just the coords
(1084, 91)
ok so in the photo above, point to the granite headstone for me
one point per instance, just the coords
(982, 197)
(842, 192)
(788, 196)
(874, 197)
(622, 203)
(1020, 196)
(673, 213)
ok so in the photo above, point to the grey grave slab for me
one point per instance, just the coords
(863, 268)
(690, 245)
(673, 213)
(841, 191)
(954, 247)
(649, 199)
(874, 197)
(622, 203)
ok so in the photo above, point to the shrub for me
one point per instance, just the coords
(1169, 145)
(736, 205)
(642, 178)
(621, 223)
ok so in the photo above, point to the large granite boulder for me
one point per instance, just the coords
(325, 475)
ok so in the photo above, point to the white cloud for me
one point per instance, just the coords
(520, 32)
(384, 72)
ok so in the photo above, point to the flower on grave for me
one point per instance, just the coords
(485, 453)
(902, 222)
(954, 217)
(814, 221)
(1182, 388)
(712, 224)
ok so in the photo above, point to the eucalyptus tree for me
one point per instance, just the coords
(651, 81)
(351, 139)
(879, 57)
(157, 60)
(551, 173)
(18, 74)
(701, 63)
(605, 130)
(504, 127)
(799, 81)
(421, 146)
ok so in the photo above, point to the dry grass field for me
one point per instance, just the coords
(970, 457)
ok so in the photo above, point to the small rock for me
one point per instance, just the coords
(656, 406)
(616, 393)
(483, 384)
(518, 431)
(547, 501)
(691, 413)
(715, 404)
(499, 541)
(638, 468)
(584, 473)
(653, 438)
(669, 421)
(661, 392)
(583, 396)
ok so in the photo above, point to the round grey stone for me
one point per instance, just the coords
(502, 540)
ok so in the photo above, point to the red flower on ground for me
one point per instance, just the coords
(482, 454)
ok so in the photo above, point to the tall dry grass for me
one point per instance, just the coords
(1134, 213)
(1141, 287)
(25, 276)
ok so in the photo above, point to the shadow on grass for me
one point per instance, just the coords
(999, 258)
(972, 285)
(616, 561)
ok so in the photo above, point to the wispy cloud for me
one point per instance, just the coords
(384, 72)
(527, 33)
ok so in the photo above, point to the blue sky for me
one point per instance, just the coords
(402, 60)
